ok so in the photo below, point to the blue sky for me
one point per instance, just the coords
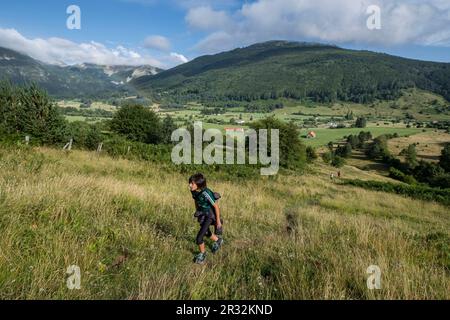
(168, 32)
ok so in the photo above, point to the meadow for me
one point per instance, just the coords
(325, 135)
(128, 225)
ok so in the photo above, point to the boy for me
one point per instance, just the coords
(208, 213)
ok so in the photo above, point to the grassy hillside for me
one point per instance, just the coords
(129, 227)
(428, 144)
(297, 70)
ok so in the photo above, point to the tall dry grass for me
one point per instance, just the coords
(129, 227)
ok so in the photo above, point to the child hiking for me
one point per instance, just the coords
(207, 213)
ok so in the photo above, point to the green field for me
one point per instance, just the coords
(325, 135)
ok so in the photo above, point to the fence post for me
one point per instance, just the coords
(27, 140)
(68, 146)
(99, 148)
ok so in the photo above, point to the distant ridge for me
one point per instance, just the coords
(298, 70)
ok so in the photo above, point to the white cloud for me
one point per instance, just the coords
(59, 50)
(178, 58)
(403, 22)
(157, 42)
(205, 18)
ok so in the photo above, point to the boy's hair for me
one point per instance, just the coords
(199, 179)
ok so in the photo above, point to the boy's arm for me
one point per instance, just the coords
(217, 210)
(196, 205)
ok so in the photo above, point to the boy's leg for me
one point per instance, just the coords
(204, 230)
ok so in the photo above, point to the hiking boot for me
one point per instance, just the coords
(200, 258)
(216, 245)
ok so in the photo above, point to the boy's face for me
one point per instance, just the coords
(193, 186)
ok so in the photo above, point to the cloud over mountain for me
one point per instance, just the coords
(403, 21)
(62, 51)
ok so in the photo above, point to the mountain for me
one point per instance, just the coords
(83, 80)
(297, 70)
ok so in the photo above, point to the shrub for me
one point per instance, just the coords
(85, 135)
(337, 161)
(426, 171)
(344, 151)
(292, 149)
(444, 160)
(137, 123)
(311, 154)
(327, 157)
(410, 155)
(361, 122)
(398, 175)
(414, 191)
(29, 110)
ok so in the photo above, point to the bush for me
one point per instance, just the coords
(378, 148)
(410, 155)
(361, 122)
(441, 181)
(85, 135)
(414, 191)
(311, 154)
(400, 176)
(292, 149)
(30, 111)
(344, 151)
(327, 157)
(427, 171)
(444, 160)
(138, 124)
(337, 161)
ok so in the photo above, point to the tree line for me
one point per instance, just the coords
(134, 130)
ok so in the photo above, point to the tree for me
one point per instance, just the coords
(349, 115)
(353, 140)
(444, 160)
(311, 154)
(85, 135)
(344, 151)
(29, 110)
(327, 157)
(138, 124)
(292, 149)
(337, 161)
(168, 126)
(361, 122)
(330, 145)
(427, 171)
(378, 148)
(410, 155)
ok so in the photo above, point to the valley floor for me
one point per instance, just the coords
(129, 227)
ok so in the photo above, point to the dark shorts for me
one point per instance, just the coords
(206, 219)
